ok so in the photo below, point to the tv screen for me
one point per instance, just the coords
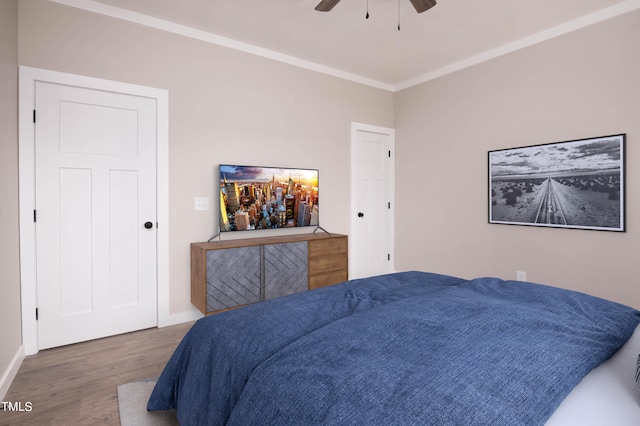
(253, 197)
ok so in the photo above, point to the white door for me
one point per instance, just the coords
(95, 202)
(372, 239)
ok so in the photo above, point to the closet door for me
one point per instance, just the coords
(95, 197)
(285, 269)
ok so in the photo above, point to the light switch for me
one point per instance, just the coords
(202, 203)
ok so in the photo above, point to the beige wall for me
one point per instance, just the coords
(228, 106)
(225, 106)
(583, 84)
(10, 332)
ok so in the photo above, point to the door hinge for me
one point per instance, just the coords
(389, 151)
(34, 216)
(388, 256)
(34, 115)
(36, 314)
(389, 205)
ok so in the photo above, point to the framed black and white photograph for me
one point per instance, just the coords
(573, 184)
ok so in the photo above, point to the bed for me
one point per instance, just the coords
(409, 348)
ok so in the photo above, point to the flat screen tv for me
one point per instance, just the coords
(254, 197)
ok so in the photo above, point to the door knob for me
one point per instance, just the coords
(360, 214)
(148, 225)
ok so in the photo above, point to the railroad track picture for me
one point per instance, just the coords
(574, 184)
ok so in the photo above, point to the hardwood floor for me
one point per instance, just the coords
(77, 384)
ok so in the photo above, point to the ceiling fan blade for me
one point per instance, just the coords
(326, 5)
(423, 5)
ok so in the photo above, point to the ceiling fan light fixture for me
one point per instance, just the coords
(419, 5)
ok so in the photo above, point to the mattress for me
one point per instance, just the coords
(608, 395)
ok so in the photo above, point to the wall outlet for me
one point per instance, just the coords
(521, 276)
(202, 203)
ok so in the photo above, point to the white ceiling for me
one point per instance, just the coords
(451, 35)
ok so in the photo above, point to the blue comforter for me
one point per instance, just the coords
(399, 349)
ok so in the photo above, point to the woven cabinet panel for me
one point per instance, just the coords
(233, 277)
(285, 269)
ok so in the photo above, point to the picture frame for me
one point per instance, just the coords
(572, 184)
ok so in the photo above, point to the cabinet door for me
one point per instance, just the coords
(285, 269)
(233, 277)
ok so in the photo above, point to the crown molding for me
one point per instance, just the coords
(186, 31)
(567, 27)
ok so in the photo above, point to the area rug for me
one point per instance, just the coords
(132, 402)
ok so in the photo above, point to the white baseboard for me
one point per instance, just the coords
(182, 317)
(11, 371)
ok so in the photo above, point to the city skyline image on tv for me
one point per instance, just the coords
(254, 197)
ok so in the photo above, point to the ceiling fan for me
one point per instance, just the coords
(420, 5)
